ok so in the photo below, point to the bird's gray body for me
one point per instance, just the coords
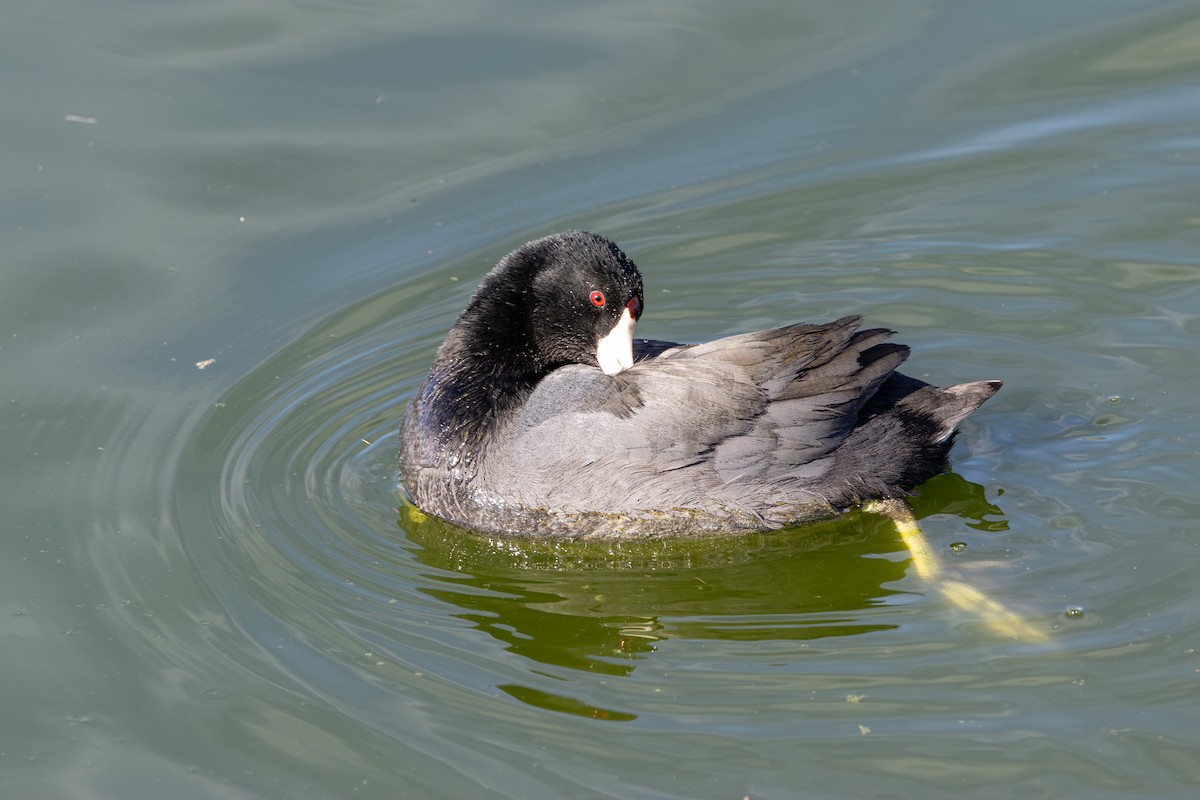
(750, 432)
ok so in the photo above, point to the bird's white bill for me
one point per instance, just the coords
(615, 350)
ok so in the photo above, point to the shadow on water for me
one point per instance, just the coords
(605, 608)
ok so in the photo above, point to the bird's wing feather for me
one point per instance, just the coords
(744, 417)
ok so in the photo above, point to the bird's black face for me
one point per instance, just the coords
(614, 349)
(587, 300)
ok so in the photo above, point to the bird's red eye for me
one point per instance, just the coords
(598, 299)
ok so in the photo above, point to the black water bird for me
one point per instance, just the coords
(543, 416)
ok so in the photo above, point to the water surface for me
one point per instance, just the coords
(211, 587)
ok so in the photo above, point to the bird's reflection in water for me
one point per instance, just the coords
(604, 607)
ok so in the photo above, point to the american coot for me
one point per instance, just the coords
(543, 416)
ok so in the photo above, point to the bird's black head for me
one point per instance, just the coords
(570, 298)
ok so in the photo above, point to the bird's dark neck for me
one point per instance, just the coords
(472, 391)
(484, 371)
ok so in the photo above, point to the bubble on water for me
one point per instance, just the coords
(217, 695)
(1074, 612)
(958, 547)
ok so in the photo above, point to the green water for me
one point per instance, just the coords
(208, 588)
